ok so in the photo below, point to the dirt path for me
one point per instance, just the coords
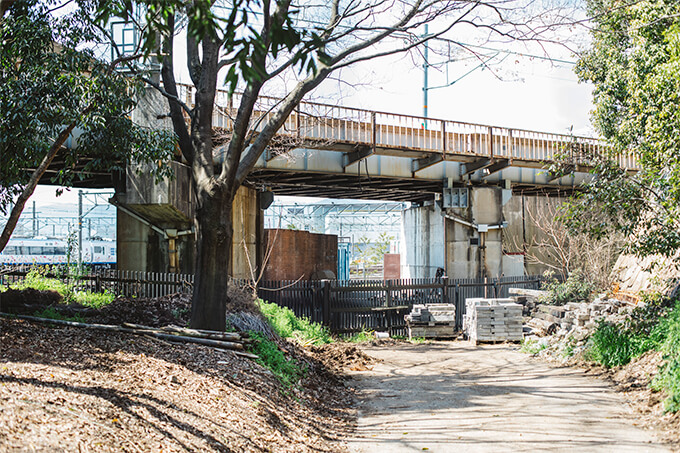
(447, 397)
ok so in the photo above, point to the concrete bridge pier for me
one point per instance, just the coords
(155, 225)
(461, 233)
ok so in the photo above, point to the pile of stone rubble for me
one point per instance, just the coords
(562, 331)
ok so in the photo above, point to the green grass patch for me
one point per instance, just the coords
(611, 346)
(287, 371)
(287, 325)
(92, 299)
(364, 336)
(51, 313)
(37, 279)
(530, 346)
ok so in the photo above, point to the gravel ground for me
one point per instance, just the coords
(451, 396)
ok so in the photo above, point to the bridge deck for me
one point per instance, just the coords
(366, 132)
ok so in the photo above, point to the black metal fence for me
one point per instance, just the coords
(344, 306)
(118, 282)
(353, 305)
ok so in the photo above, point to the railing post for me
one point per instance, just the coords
(388, 293)
(490, 141)
(443, 137)
(326, 303)
(297, 123)
(374, 131)
(445, 290)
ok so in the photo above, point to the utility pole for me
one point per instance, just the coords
(35, 224)
(80, 228)
(425, 87)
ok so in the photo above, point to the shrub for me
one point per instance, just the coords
(575, 289)
(287, 371)
(287, 325)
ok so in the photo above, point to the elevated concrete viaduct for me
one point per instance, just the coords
(467, 183)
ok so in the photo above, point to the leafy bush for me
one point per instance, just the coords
(575, 289)
(287, 325)
(287, 371)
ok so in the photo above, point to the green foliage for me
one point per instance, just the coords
(575, 289)
(634, 65)
(270, 356)
(37, 279)
(92, 299)
(287, 325)
(667, 337)
(530, 346)
(373, 253)
(365, 336)
(51, 313)
(50, 78)
(611, 346)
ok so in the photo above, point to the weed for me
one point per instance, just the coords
(287, 325)
(667, 333)
(287, 371)
(530, 346)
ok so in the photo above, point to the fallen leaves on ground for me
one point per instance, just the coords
(70, 389)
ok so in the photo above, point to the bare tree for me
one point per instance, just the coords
(550, 244)
(252, 44)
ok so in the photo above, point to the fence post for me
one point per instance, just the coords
(388, 293)
(97, 283)
(326, 304)
(445, 290)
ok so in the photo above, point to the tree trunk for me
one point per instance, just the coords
(213, 258)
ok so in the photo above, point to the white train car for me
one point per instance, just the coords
(41, 251)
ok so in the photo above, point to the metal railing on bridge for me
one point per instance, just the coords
(322, 125)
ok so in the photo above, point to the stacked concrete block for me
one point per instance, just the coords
(431, 320)
(492, 320)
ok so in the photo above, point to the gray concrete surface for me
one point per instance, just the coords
(455, 397)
